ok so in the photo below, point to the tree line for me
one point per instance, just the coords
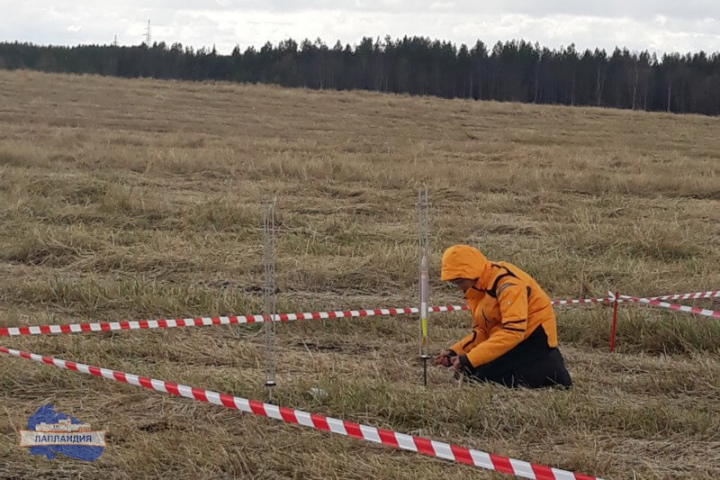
(515, 71)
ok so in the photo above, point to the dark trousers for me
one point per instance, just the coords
(532, 364)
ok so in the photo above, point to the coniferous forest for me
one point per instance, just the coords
(512, 71)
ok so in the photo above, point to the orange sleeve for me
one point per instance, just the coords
(512, 297)
(470, 341)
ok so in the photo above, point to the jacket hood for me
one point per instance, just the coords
(462, 261)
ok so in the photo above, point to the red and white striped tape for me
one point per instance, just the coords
(610, 298)
(284, 317)
(390, 438)
(674, 306)
(580, 301)
(208, 321)
(235, 320)
(687, 296)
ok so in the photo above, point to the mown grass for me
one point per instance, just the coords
(142, 199)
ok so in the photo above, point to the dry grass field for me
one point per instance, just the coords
(127, 199)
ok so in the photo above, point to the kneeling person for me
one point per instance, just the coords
(514, 337)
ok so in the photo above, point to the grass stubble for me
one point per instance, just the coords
(126, 199)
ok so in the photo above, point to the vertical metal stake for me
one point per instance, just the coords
(424, 240)
(269, 294)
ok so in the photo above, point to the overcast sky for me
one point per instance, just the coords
(654, 25)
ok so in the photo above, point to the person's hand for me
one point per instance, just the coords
(456, 363)
(443, 359)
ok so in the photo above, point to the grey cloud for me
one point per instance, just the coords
(694, 25)
(642, 9)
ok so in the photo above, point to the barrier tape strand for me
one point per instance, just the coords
(422, 445)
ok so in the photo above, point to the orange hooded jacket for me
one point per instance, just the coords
(507, 305)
